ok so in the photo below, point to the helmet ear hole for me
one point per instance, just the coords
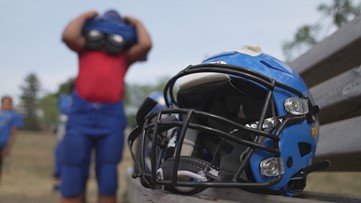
(115, 44)
(304, 148)
(94, 40)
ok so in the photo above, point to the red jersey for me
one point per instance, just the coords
(101, 76)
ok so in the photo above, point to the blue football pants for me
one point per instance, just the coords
(77, 156)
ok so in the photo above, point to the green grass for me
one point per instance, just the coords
(27, 174)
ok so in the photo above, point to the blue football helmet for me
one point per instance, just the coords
(240, 119)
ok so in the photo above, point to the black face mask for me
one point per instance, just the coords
(112, 43)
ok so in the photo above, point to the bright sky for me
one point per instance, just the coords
(183, 33)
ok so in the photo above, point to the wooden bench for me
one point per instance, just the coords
(332, 71)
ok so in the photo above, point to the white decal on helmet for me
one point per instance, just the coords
(250, 50)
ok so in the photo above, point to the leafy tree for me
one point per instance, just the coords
(48, 105)
(66, 87)
(340, 11)
(135, 93)
(29, 98)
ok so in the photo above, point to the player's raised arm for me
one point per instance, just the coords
(139, 51)
(72, 34)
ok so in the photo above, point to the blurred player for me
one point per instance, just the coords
(106, 46)
(9, 121)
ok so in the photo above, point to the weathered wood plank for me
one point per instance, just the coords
(331, 197)
(339, 97)
(137, 193)
(335, 54)
(340, 142)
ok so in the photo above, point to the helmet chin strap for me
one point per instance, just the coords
(317, 166)
(298, 181)
(190, 169)
(184, 173)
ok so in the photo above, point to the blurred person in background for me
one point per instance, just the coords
(64, 104)
(10, 120)
(106, 46)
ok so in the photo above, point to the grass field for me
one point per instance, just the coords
(27, 174)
